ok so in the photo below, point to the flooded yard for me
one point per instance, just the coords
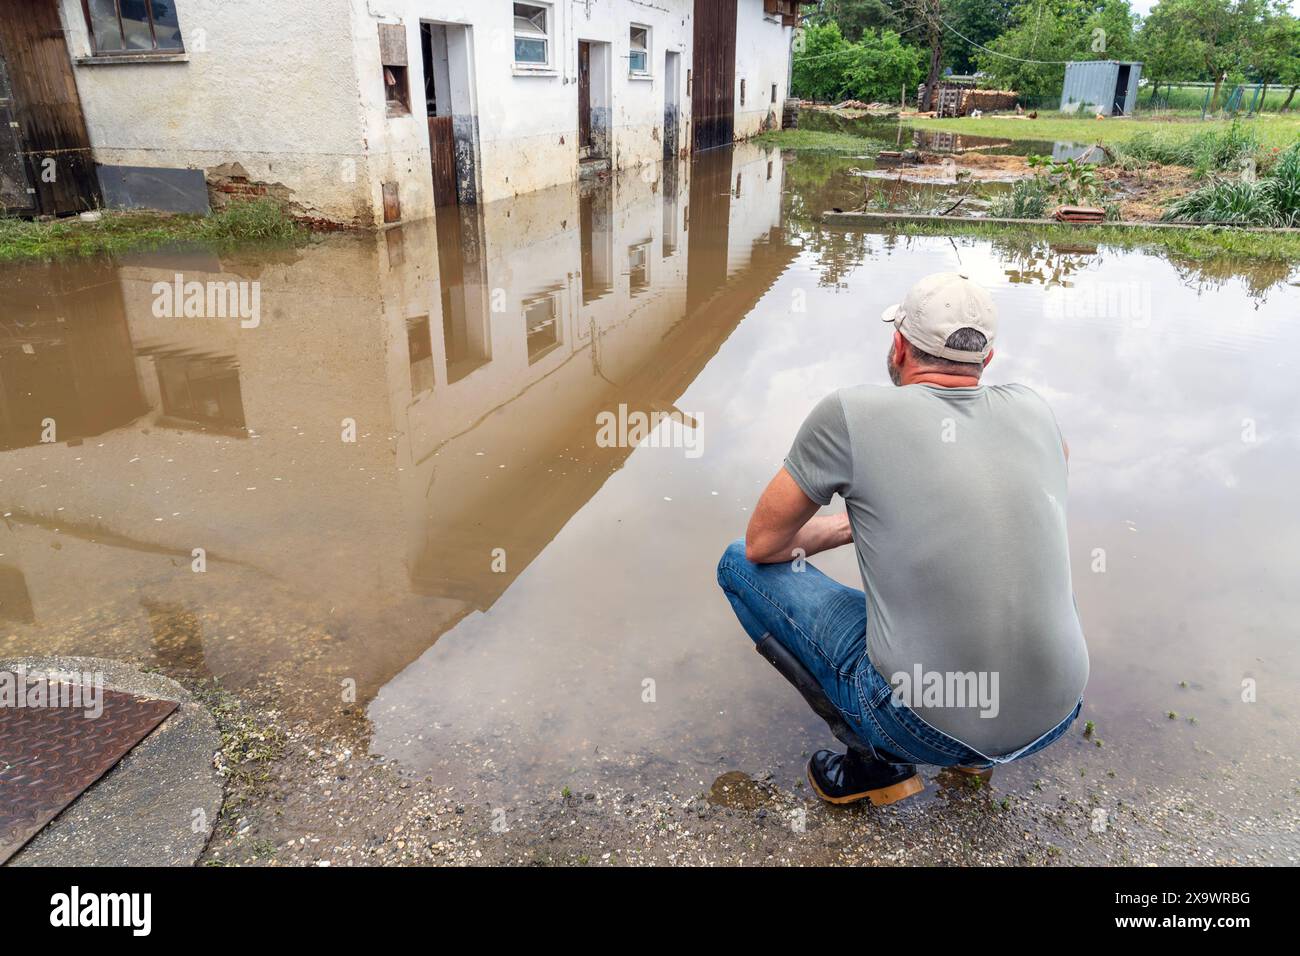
(407, 515)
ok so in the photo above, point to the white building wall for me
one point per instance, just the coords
(298, 100)
(762, 59)
(261, 84)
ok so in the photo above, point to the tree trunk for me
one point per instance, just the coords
(1288, 100)
(1214, 98)
(932, 79)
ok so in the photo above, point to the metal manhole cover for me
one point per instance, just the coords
(50, 754)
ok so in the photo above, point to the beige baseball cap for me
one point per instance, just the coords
(938, 306)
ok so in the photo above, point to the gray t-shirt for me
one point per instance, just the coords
(957, 501)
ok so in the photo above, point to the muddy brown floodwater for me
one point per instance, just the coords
(517, 606)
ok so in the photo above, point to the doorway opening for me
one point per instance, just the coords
(594, 101)
(1119, 105)
(450, 107)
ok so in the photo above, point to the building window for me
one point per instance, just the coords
(532, 41)
(742, 92)
(392, 56)
(638, 61)
(133, 26)
(773, 92)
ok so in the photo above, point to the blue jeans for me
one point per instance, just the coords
(824, 624)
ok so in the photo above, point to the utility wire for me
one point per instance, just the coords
(1005, 56)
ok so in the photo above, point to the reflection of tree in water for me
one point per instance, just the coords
(1258, 276)
(813, 184)
(816, 182)
(1040, 262)
(1043, 263)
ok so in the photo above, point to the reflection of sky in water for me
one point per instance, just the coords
(1200, 540)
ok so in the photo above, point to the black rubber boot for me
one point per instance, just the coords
(850, 777)
(863, 772)
(792, 669)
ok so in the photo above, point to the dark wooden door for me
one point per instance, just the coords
(713, 108)
(51, 128)
(442, 146)
(16, 194)
(584, 94)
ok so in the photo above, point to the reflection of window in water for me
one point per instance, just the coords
(542, 322)
(201, 390)
(419, 346)
(638, 266)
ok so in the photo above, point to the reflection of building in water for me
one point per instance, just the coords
(473, 372)
(66, 366)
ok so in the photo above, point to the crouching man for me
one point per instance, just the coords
(965, 650)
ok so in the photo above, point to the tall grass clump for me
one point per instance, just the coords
(1271, 201)
(251, 221)
(1027, 199)
(1206, 150)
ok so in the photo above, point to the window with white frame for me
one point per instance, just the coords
(638, 60)
(532, 35)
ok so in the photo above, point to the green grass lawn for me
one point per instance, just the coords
(1274, 130)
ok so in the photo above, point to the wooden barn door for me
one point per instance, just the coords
(713, 103)
(442, 145)
(51, 128)
(16, 194)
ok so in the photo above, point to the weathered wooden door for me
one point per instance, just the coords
(442, 146)
(17, 196)
(584, 94)
(51, 128)
(713, 105)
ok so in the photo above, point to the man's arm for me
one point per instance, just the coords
(783, 522)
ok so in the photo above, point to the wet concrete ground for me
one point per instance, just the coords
(477, 604)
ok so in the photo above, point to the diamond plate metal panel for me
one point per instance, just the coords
(49, 755)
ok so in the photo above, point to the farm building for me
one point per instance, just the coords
(369, 111)
(1108, 87)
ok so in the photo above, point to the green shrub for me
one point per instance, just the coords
(1271, 201)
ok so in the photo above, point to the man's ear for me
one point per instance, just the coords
(900, 348)
(988, 358)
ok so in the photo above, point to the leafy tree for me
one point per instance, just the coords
(856, 17)
(1168, 50)
(820, 60)
(980, 21)
(830, 68)
(882, 66)
(1277, 55)
(1030, 56)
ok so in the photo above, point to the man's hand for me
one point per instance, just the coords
(783, 524)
